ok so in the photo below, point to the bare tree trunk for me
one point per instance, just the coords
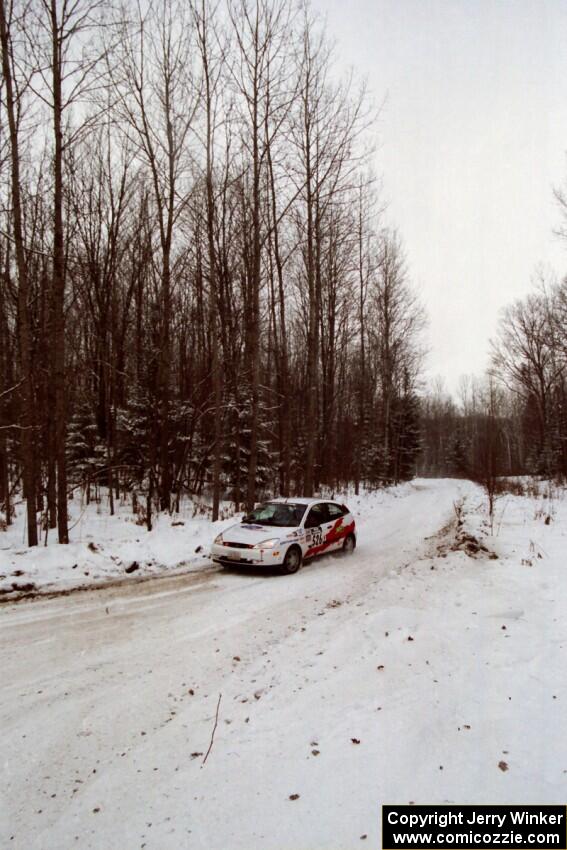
(282, 353)
(164, 385)
(5, 478)
(58, 280)
(4, 385)
(23, 289)
(361, 442)
(208, 72)
(312, 328)
(254, 337)
(49, 349)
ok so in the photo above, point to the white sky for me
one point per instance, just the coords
(473, 138)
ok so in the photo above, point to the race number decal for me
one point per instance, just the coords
(317, 536)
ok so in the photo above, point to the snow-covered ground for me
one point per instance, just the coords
(408, 672)
(104, 549)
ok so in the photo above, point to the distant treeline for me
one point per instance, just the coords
(514, 421)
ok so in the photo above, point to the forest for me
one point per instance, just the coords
(514, 420)
(200, 289)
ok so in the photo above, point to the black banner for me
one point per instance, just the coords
(463, 827)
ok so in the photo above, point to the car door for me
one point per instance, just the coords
(317, 527)
(337, 526)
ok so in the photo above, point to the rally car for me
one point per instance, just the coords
(284, 533)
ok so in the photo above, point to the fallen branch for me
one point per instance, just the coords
(213, 732)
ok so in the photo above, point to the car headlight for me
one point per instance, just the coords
(269, 544)
(218, 538)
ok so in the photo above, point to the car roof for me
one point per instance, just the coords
(302, 500)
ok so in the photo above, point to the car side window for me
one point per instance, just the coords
(316, 516)
(335, 511)
(298, 514)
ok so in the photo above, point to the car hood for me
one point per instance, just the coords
(252, 533)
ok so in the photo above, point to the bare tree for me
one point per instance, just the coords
(15, 89)
(212, 58)
(525, 362)
(157, 96)
(330, 118)
(398, 323)
(260, 31)
(63, 58)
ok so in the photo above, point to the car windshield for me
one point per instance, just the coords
(283, 515)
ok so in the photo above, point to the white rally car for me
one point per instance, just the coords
(284, 532)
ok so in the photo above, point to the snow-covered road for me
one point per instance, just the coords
(385, 677)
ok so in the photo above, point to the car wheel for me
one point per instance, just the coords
(349, 544)
(292, 560)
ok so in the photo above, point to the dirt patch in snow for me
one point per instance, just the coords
(456, 537)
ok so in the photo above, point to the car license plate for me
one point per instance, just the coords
(234, 556)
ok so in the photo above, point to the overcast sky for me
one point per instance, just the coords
(473, 138)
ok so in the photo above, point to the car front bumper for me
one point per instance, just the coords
(256, 557)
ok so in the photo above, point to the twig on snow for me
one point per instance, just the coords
(502, 517)
(213, 732)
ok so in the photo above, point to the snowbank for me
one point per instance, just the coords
(104, 549)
